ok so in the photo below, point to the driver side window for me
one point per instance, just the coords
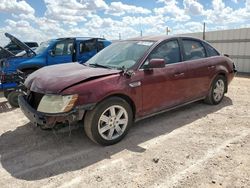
(169, 51)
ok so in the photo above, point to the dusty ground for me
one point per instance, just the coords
(195, 146)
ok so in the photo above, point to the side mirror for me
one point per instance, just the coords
(156, 63)
(52, 52)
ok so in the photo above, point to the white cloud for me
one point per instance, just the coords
(223, 15)
(171, 8)
(145, 20)
(118, 9)
(193, 7)
(15, 6)
(69, 11)
(247, 4)
(188, 27)
(73, 11)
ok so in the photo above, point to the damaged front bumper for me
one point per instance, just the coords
(48, 120)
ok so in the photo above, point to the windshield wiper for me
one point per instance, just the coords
(98, 65)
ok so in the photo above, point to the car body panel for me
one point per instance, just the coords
(96, 90)
(72, 74)
(163, 87)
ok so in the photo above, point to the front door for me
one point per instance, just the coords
(164, 87)
(61, 52)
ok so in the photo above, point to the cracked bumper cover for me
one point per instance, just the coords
(48, 120)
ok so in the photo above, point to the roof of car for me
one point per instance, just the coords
(158, 37)
(80, 38)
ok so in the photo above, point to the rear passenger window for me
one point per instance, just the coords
(210, 50)
(169, 51)
(87, 46)
(193, 49)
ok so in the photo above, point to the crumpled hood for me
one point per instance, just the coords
(55, 78)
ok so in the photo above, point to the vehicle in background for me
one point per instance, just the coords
(55, 51)
(125, 82)
(14, 47)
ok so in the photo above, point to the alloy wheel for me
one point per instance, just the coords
(113, 122)
(219, 90)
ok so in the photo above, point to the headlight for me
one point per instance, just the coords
(57, 103)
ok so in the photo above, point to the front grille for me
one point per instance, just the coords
(34, 98)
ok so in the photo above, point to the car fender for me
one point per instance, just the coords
(97, 90)
(219, 70)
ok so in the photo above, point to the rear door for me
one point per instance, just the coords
(199, 68)
(164, 87)
(61, 52)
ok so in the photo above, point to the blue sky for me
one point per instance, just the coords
(41, 20)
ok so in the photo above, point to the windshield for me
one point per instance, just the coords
(42, 47)
(121, 55)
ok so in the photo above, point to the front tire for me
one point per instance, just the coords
(217, 90)
(109, 121)
(6, 93)
(13, 98)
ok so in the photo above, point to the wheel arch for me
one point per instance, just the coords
(221, 73)
(28, 69)
(225, 76)
(126, 98)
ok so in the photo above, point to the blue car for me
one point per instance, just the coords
(55, 51)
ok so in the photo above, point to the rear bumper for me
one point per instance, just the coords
(47, 120)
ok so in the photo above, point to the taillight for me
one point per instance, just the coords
(3, 77)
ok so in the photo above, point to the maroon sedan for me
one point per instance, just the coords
(127, 81)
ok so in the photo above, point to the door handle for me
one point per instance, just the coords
(211, 67)
(179, 74)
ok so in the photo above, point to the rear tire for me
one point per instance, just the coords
(109, 121)
(13, 98)
(217, 90)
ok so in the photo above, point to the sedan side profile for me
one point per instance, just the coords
(125, 82)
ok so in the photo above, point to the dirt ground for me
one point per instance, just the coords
(195, 146)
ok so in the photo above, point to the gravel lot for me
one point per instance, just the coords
(195, 146)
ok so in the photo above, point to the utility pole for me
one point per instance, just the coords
(204, 31)
(120, 37)
(167, 30)
(141, 33)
